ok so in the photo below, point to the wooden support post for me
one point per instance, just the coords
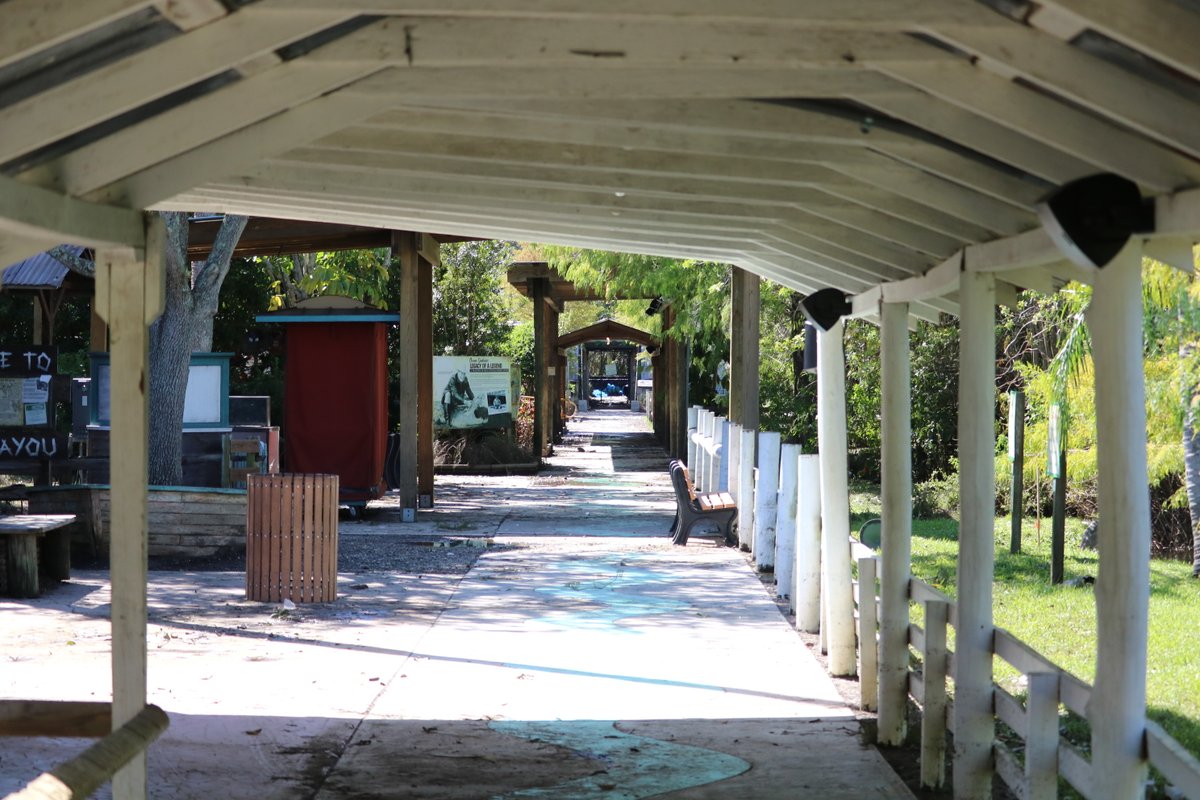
(39, 322)
(405, 249)
(785, 526)
(807, 600)
(868, 647)
(896, 529)
(537, 293)
(129, 291)
(550, 342)
(1041, 737)
(679, 397)
(933, 703)
(1016, 435)
(835, 500)
(974, 725)
(745, 495)
(743, 345)
(766, 501)
(1117, 710)
(1058, 523)
(98, 332)
(424, 383)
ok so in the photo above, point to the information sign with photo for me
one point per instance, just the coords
(472, 392)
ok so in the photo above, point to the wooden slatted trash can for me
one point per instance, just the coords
(291, 538)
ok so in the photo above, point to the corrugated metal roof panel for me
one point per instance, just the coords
(42, 271)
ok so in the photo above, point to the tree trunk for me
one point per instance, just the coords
(192, 292)
(1191, 473)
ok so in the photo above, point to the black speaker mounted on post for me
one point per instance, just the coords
(825, 308)
(810, 348)
(1091, 219)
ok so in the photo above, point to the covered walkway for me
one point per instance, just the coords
(601, 663)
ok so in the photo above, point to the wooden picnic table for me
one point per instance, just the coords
(20, 533)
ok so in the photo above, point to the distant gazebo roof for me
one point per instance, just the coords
(607, 329)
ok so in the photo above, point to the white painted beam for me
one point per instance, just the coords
(37, 213)
(872, 15)
(1105, 147)
(29, 29)
(1084, 79)
(105, 92)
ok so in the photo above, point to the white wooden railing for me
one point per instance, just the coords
(707, 452)
(723, 456)
(1047, 756)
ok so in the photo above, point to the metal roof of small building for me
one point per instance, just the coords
(41, 271)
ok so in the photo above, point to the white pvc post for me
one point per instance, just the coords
(868, 646)
(721, 479)
(745, 496)
(709, 450)
(1117, 710)
(896, 532)
(835, 501)
(735, 458)
(701, 450)
(806, 601)
(693, 419)
(766, 500)
(785, 524)
(974, 725)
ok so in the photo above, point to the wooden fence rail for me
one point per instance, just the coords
(91, 769)
(1036, 721)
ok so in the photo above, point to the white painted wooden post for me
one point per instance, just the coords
(835, 500)
(1117, 710)
(785, 525)
(1041, 737)
(745, 497)
(709, 458)
(701, 451)
(721, 479)
(806, 601)
(129, 293)
(693, 420)
(974, 724)
(933, 703)
(735, 458)
(868, 649)
(766, 500)
(896, 531)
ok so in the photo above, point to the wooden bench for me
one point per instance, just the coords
(20, 533)
(718, 508)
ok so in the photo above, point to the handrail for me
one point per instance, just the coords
(1180, 768)
(91, 769)
(55, 718)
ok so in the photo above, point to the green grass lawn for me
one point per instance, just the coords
(1060, 621)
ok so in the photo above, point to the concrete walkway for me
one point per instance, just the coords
(605, 664)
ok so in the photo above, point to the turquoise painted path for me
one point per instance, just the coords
(634, 766)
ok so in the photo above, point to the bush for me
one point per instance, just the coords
(937, 497)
